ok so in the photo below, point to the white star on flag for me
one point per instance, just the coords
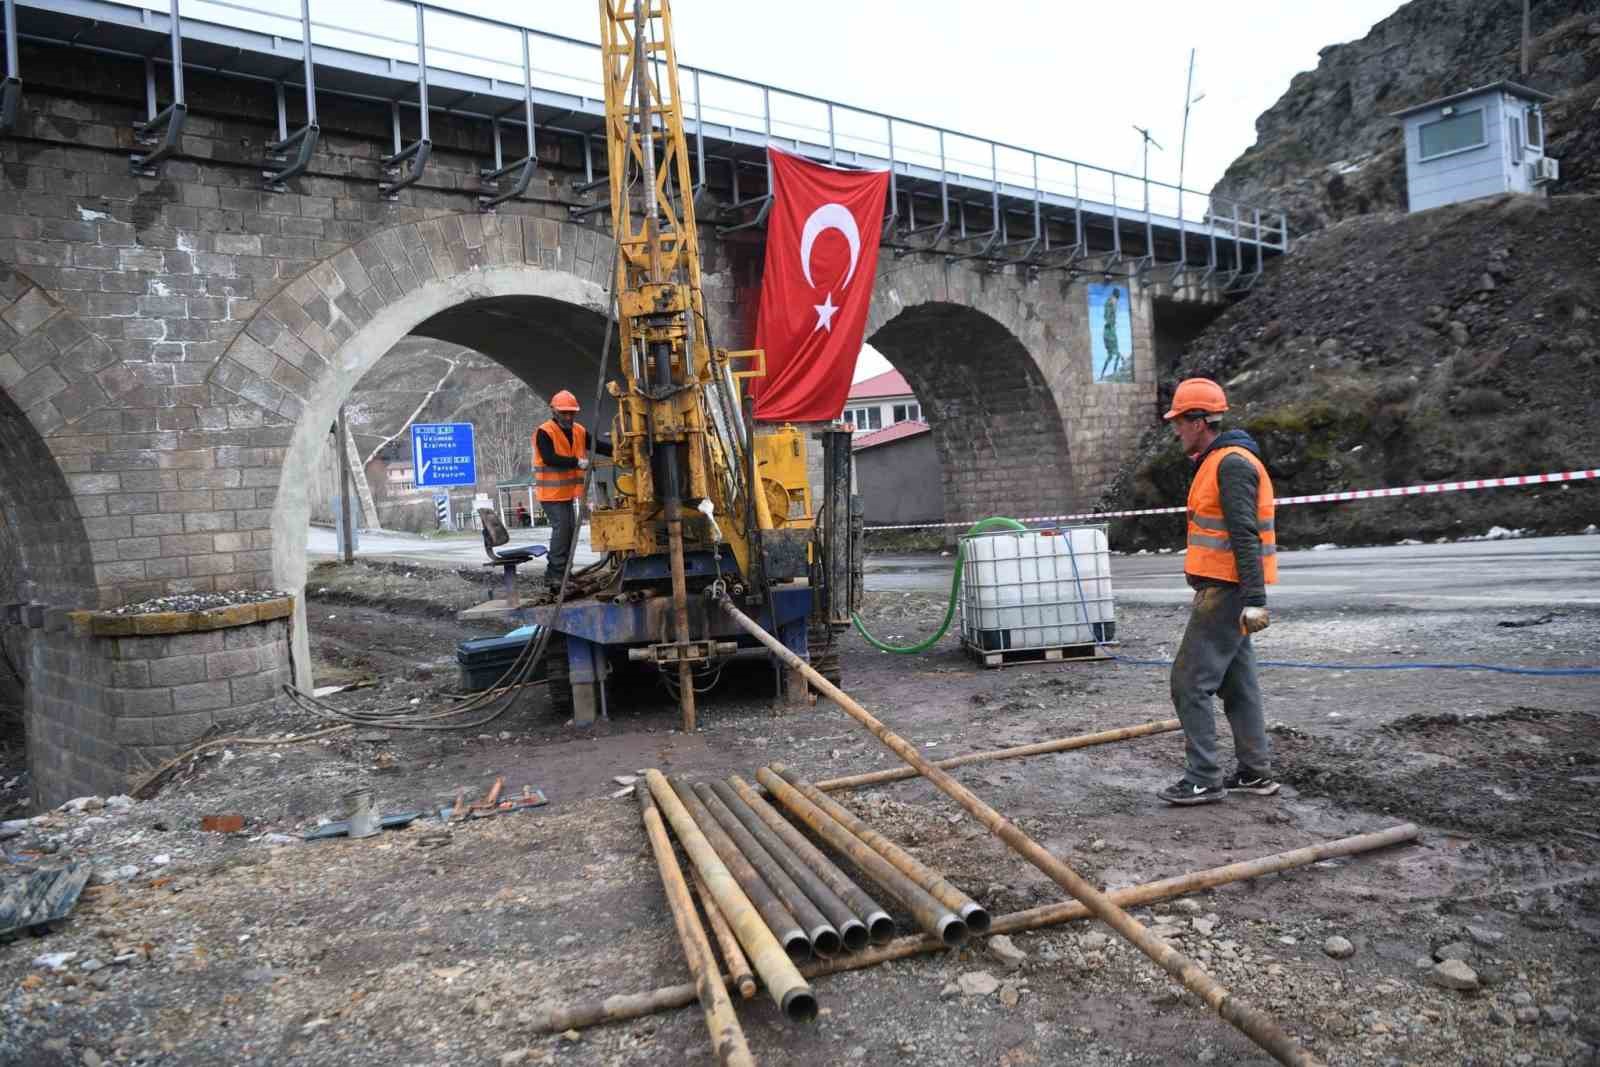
(825, 312)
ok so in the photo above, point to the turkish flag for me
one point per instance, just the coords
(822, 258)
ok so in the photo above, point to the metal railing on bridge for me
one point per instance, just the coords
(954, 194)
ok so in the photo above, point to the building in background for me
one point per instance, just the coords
(879, 402)
(898, 474)
(1477, 143)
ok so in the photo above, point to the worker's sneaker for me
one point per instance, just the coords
(1186, 792)
(1244, 780)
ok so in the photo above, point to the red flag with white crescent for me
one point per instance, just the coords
(822, 258)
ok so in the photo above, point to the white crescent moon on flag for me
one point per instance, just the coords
(829, 217)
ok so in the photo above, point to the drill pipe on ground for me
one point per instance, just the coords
(880, 927)
(738, 965)
(1250, 1020)
(779, 919)
(623, 1007)
(778, 973)
(932, 916)
(1039, 748)
(972, 913)
(851, 929)
(727, 1039)
(823, 935)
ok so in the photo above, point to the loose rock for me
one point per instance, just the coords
(1454, 974)
(1007, 954)
(1338, 947)
(978, 983)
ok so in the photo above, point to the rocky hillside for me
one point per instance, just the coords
(1327, 150)
(1392, 349)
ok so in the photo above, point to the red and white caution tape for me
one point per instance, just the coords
(1314, 498)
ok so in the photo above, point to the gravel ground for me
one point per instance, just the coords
(434, 945)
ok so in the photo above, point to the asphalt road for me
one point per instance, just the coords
(1531, 572)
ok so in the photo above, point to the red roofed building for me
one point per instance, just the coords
(880, 401)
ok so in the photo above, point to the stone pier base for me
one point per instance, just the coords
(112, 696)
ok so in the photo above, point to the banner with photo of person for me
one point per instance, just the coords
(1110, 332)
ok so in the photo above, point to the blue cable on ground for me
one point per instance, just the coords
(1548, 672)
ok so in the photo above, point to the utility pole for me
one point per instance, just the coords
(1148, 141)
(1525, 35)
(1183, 144)
(347, 523)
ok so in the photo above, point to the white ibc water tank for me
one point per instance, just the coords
(1037, 589)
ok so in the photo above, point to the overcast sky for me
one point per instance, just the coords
(1065, 77)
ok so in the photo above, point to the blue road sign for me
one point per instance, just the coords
(442, 454)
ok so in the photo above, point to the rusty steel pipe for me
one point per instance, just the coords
(823, 935)
(852, 931)
(738, 964)
(1250, 1020)
(788, 990)
(932, 916)
(1038, 748)
(623, 1007)
(727, 1039)
(880, 927)
(972, 913)
(779, 919)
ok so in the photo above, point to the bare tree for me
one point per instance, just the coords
(503, 439)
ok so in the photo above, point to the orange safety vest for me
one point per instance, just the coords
(554, 485)
(1210, 549)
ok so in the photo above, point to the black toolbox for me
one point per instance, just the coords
(483, 660)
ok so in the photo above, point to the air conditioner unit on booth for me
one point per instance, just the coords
(1545, 169)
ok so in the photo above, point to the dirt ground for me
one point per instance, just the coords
(434, 946)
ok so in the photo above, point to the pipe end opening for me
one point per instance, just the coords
(952, 931)
(976, 917)
(855, 935)
(796, 945)
(800, 1005)
(825, 941)
(881, 927)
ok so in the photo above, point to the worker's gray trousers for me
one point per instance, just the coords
(563, 531)
(1215, 657)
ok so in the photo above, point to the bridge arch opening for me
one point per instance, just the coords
(1001, 444)
(44, 556)
(545, 327)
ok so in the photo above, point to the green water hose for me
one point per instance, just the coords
(994, 522)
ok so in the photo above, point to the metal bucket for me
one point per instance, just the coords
(363, 816)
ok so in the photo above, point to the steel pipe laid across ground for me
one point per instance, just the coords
(1250, 1020)
(782, 979)
(932, 916)
(823, 935)
(727, 1039)
(851, 929)
(880, 927)
(779, 919)
(727, 941)
(972, 913)
(625, 1006)
(1039, 748)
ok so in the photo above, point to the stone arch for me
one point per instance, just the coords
(493, 283)
(980, 363)
(49, 393)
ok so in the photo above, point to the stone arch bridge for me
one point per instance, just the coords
(173, 348)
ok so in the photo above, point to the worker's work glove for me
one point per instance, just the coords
(1253, 620)
(583, 463)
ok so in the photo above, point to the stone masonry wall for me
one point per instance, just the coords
(108, 704)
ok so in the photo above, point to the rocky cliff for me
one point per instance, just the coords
(1392, 349)
(1327, 150)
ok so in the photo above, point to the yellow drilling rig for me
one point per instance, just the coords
(702, 502)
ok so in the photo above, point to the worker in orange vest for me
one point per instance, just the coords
(560, 458)
(1231, 559)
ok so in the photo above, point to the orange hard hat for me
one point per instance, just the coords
(564, 401)
(1197, 394)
